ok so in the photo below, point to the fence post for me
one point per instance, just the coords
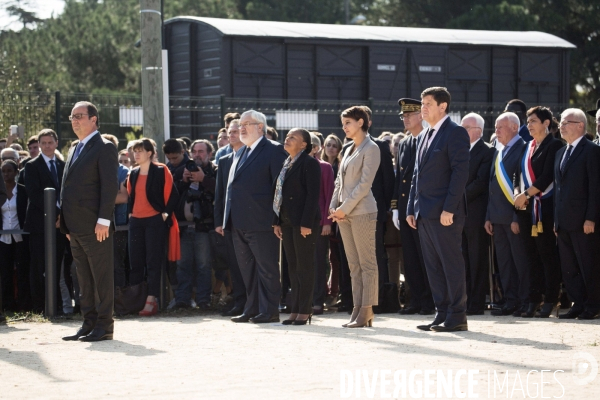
(222, 108)
(57, 113)
(50, 250)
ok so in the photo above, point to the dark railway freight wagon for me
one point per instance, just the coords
(308, 66)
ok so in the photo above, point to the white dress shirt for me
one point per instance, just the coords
(10, 219)
(436, 128)
(573, 145)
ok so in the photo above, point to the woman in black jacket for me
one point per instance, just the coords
(534, 180)
(152, 199)
(297, 218)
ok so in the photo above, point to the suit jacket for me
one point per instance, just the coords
(440, 178)
(355, 178)
(499, 209)
(480, 163)
(221, 187)
(577, 188)
(21, 206)
(405, 166)
(155, 190)
(89, 186)
(39, 178)
(383, 184)
(300, 193)
(249, 201)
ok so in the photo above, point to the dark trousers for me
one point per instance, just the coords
(147, 251)
(95, 274)
(321, 261)
(257, 253)
(285, 277)
(513, 265)
(381, 254)
(238, 290)
(120, 240)
(8, 260)
(544, 265)
(300, 253)
(334, 260)
(579, 259)
(476, 246)
(345, 279)
(445, 266)
(37, 269)
(415, 274)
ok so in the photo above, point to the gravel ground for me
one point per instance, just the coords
(203, 356)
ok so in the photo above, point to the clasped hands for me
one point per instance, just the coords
(521, 201)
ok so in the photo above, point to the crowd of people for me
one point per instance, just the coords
(405, 222)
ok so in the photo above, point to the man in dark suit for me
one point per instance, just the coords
(501, 219)
(421, 300)
(248, 212)
(475, 242)
(576, 213)
(88, 194)
(437, 208)
(44, 171)
(237, 281)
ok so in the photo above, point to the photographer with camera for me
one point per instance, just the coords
(201, 174)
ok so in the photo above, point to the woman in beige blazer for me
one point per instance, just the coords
(354, 208)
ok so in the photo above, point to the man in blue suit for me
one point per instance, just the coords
(248, 214)
(437, 208)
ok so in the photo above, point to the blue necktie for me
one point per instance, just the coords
(243, 159)
(54, 173)
(564, 161)
(77, 151)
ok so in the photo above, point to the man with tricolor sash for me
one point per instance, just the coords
(501, 219)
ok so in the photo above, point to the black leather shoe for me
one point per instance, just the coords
(546, 310)
(519, 311)
(475, 312)
(234, 312)
(264, 318)
(500, 312)
(530, 311)
(2, 318)
(427, 327)
(409, 310)
(571, 314)
(426, 311)
(588, 314)
(455, 328)
(97, 335)
(80, 333)
(242, 318)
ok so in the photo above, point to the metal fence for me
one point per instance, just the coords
(198, 117)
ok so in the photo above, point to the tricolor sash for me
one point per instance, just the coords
(528, 179)
(504, 180)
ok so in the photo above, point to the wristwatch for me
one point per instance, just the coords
(527, 196)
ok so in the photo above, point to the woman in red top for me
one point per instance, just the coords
(152, 199)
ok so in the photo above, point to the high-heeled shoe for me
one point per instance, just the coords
(302, 321)
(355, 312)
(547, 310)
(364, 318)
(531, 309)
(290, 320)
(152, 312)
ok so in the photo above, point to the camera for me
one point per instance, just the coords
(191, 166)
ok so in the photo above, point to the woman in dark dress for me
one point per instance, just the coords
(534, 181)
(296, 220)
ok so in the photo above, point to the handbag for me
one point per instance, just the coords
(130, 299)
(219, 251)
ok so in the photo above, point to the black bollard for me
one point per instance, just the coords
(50, 249)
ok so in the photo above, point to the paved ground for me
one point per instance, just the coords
(207, 356)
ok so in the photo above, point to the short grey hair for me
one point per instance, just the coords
(512, 117)
(14, 153)
(577, 114)
(258, 117)
(314, 139)
(479, 121)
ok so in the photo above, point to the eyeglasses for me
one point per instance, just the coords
(569, 122)
(245, 125)
(76, 116)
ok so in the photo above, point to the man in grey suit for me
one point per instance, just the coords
(248, 212)
(437, 208)
(501, 218)
(88, 194)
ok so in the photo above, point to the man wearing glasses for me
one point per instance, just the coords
(88, 193)
(421, 300)
(576, 213)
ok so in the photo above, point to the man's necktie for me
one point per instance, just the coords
(77, 151)
(505, 150)
(243, 159)
(563, 164)
(426, 145)
(54, 173)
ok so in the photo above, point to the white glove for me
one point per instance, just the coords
(395, 219)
